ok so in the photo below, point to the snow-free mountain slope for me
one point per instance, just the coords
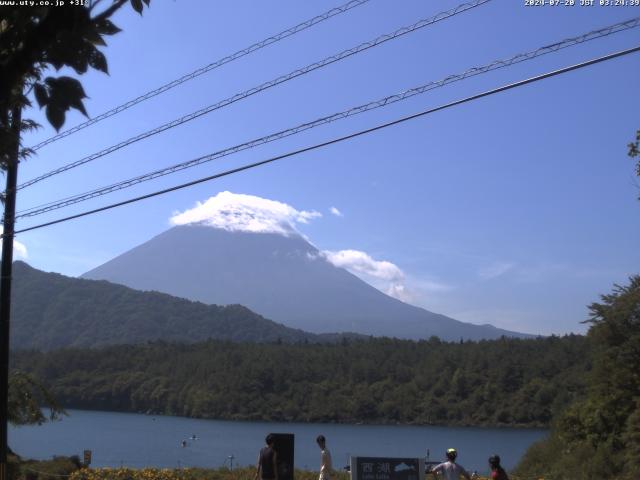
(282, 277)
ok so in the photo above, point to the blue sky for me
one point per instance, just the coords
(516, 210)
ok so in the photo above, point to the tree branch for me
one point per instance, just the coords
(110, 11)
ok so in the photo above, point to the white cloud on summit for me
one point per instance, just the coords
(245, 213)
(249, 213)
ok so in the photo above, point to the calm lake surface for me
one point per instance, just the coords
(136, 440)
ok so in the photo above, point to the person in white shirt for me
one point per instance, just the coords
(325, 459)
(450, 470)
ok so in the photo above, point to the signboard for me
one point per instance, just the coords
(386, 468)
(87, 457)
(284, 447)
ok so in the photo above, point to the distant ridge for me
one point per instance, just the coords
(282, 277)
(51, 311)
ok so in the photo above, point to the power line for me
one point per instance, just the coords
(339, 139)
(252, 91)
(497, 64)
(207, 68)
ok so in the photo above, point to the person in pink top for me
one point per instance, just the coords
(497, 472)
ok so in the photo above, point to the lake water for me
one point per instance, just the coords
(143, 440)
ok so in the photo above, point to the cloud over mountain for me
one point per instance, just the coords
(360, 262)
(249, 213)
(375, 271)
(245, 213)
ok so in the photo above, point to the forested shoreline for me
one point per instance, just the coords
(506, 382)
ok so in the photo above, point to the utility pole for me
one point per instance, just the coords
(5, 282)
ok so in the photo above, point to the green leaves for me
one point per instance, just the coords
(64, 87)
(634, 151)
(105, 27)
(59, 95)
(26, 396)
(35, 39)
(137, 6)
(56, 116)
(41, 94)
(78, 51)
(98, 61)
(94, 37)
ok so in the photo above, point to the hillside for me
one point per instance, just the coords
(51, 311)
(598, 434)
(282, 277)
(500, 382)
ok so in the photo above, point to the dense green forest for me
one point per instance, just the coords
(598, 436)
(73, 312)
(498, 382)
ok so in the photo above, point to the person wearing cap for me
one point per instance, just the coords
(450, 470)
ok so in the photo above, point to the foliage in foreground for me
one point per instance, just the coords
(70, 468)
(634, 151)
(55, 469)
(247, 473)
(599, 435)
(26, 398)
(501, 382)
(40, 39)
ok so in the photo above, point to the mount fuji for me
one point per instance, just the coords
(281, 277)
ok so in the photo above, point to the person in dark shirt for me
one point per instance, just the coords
(497, 472)
(267, 467)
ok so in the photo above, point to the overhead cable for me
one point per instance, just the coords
(252, 91)
(207, 68)
(495, 65)
(339, 139)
